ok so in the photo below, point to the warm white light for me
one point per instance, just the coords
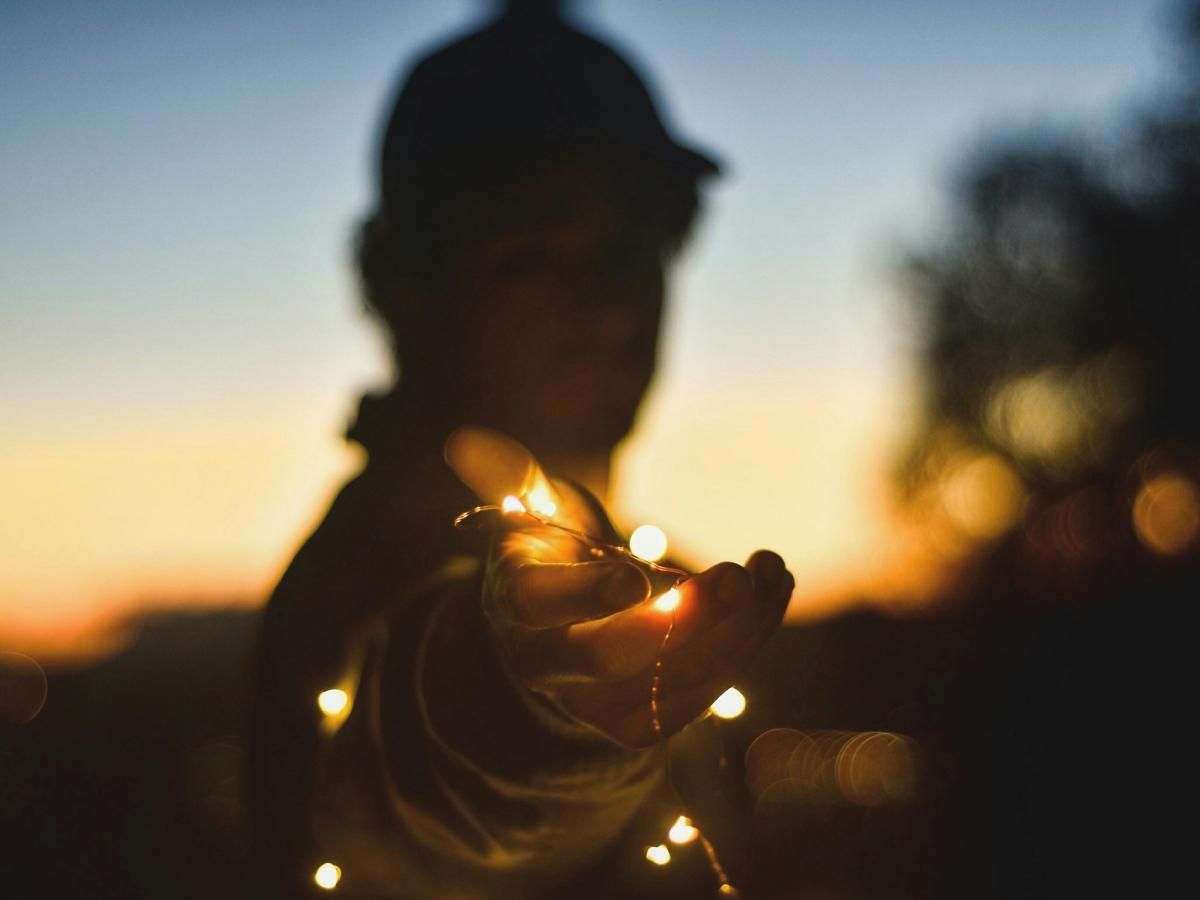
(333, 701)
(683, 831)
(327, 876)
(648, 542)
(540, 502)
(729, 705)
(668, 601)
(658, 854)
(511, 504)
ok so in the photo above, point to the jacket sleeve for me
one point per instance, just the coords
(447, 775)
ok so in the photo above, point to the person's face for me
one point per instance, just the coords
(563, 275)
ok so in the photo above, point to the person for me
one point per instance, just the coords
(493, 735)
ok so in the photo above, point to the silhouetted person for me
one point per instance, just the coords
(498, 737)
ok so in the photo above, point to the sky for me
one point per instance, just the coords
(180, 337)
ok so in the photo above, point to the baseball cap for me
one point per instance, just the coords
(526, 83)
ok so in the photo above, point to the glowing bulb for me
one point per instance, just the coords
(540, 502)
(668, 601)
(327, 876)
(333, 701)
(658, 854)
(648, 542)
(511, 504)
(683, 831)
(729, 705)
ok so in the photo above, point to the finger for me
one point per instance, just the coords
(725, 649)
(549, 595)
(492, 464)
(693, 675)
(708, 664)
(621, 645)
(526, 539)
(528, 542)
(580, 506)
(771, 576)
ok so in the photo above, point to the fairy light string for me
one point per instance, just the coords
(540, 508)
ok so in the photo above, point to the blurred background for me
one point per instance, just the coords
(934, 342)
(182, 344)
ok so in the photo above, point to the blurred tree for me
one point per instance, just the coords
(1060, 442)
(1059, 317)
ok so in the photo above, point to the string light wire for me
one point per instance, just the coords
(510, 509)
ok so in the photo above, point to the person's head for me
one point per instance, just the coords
(530, 203)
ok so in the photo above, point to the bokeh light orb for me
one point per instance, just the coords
(332, 701)
(22, 688)
(981, 495)
(327, 876)
(658, 854)
(729, 705)
(683, 831)
(648, 542)
(1166, 513)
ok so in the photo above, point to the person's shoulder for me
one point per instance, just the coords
(386, 535)
(347, 539)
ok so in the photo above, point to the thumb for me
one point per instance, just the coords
(494, 465)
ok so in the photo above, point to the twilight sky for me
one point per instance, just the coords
(180, 342)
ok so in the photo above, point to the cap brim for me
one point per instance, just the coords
(694, 162)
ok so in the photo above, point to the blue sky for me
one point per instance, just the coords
(179, 183)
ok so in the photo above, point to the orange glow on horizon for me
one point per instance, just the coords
(121, 520)
(127, 517)
(814, 486)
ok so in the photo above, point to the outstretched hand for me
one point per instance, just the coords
(586, 632)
